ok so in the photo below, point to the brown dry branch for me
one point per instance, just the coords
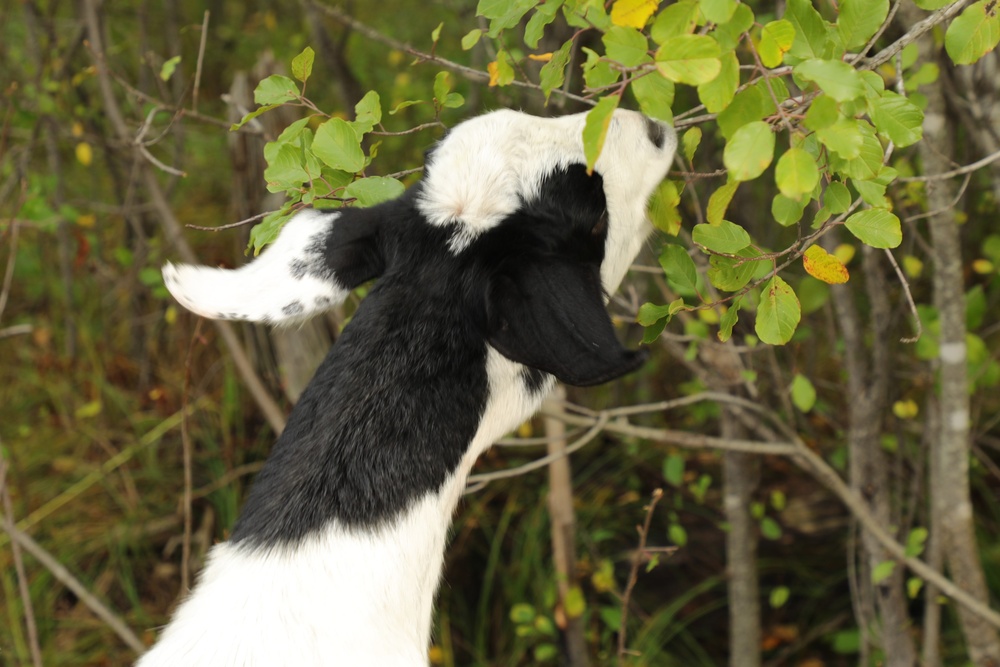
(633, 575)
(22, 577)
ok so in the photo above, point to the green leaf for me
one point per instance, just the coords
(811, 34)
(655, 96)
(876, 227)
(522, 613)
(770, 528)
(673, 469)
(718, 93)
(503, 14)
(543, 16)
(168, 68)
(689, 142)
(436, 33)
(837, 198)
(367, 113)
(285, 166)
(729, 34)
(626, 46)
(267, 231)
(663, 205)
(859, 20)
(729, 319)
(834, 77)
(275, 89)
(750, 151)
(544, 652)
(718, 11)
(778, 313)
(932, 5)
(796, 173)
(726, 237)
(250, 116)
(337, 144)
(916, 541)
(913, 586)
(822, 113)
(897, 118)
(679, 267)
(302, 64)
(650, 313)
(690, 59)
(553, 72)
(843, 138)
(574, 603)
(803, 393)
(776, 38)
(595, 129)
(732, 274)
(471, 38)
(373, 190)
(787, 211)
(779, 596)
(974, 33)
(675, 20)
(597, 73)
(883, 571)
(719, 202)
(677, 534)
(442, 86)
(755, 102)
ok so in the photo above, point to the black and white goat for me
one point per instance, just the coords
(492, 275)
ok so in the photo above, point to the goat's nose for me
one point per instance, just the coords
(656, 132)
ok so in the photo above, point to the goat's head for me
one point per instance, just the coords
(506, 215)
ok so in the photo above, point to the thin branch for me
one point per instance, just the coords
(64, 576)
(188, 464)
(16, 330)
(633, 574)
(201, 58)
(967, 169)
(914, 33)
(917, 324)
(22, 577)
(231, 225)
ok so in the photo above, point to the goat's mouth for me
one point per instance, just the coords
(656, 133)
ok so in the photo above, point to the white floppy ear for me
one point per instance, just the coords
(316, 261)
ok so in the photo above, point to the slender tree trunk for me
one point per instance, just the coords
(739, 483)
(563, 528)
(951, 499)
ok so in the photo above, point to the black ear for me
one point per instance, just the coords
(548, 313)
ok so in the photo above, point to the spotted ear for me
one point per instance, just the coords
(548, 313)
(318, 258)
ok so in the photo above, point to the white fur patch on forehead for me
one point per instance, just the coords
(485, 167)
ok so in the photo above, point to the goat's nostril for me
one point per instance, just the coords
(655, 132)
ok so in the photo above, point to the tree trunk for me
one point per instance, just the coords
(563, 524)
(951, 500)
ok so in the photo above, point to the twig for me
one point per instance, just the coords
(914, 33)
(969, 168)
(633, 574)
(201, 58)
(8, 277)
(22, 577)
(50, 563)
(16, 330)
(944, 209)
(231, 225)
(477, 482)
(917, 324)
(188, 456)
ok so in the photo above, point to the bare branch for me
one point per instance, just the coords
(633, 574)
(201, 59)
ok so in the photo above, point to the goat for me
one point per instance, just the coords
(492, 276)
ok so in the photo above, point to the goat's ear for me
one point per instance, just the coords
(549, 314)
(318, 258)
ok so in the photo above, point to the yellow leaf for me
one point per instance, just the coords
(983, 266)
(84, 153)
(823, 266)
(494, 69)
(632, 13)
(914, 267)
(541, 57)
(87, 220)
(905, 409)
(525, 430)
(845, 252)
(77, 129)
